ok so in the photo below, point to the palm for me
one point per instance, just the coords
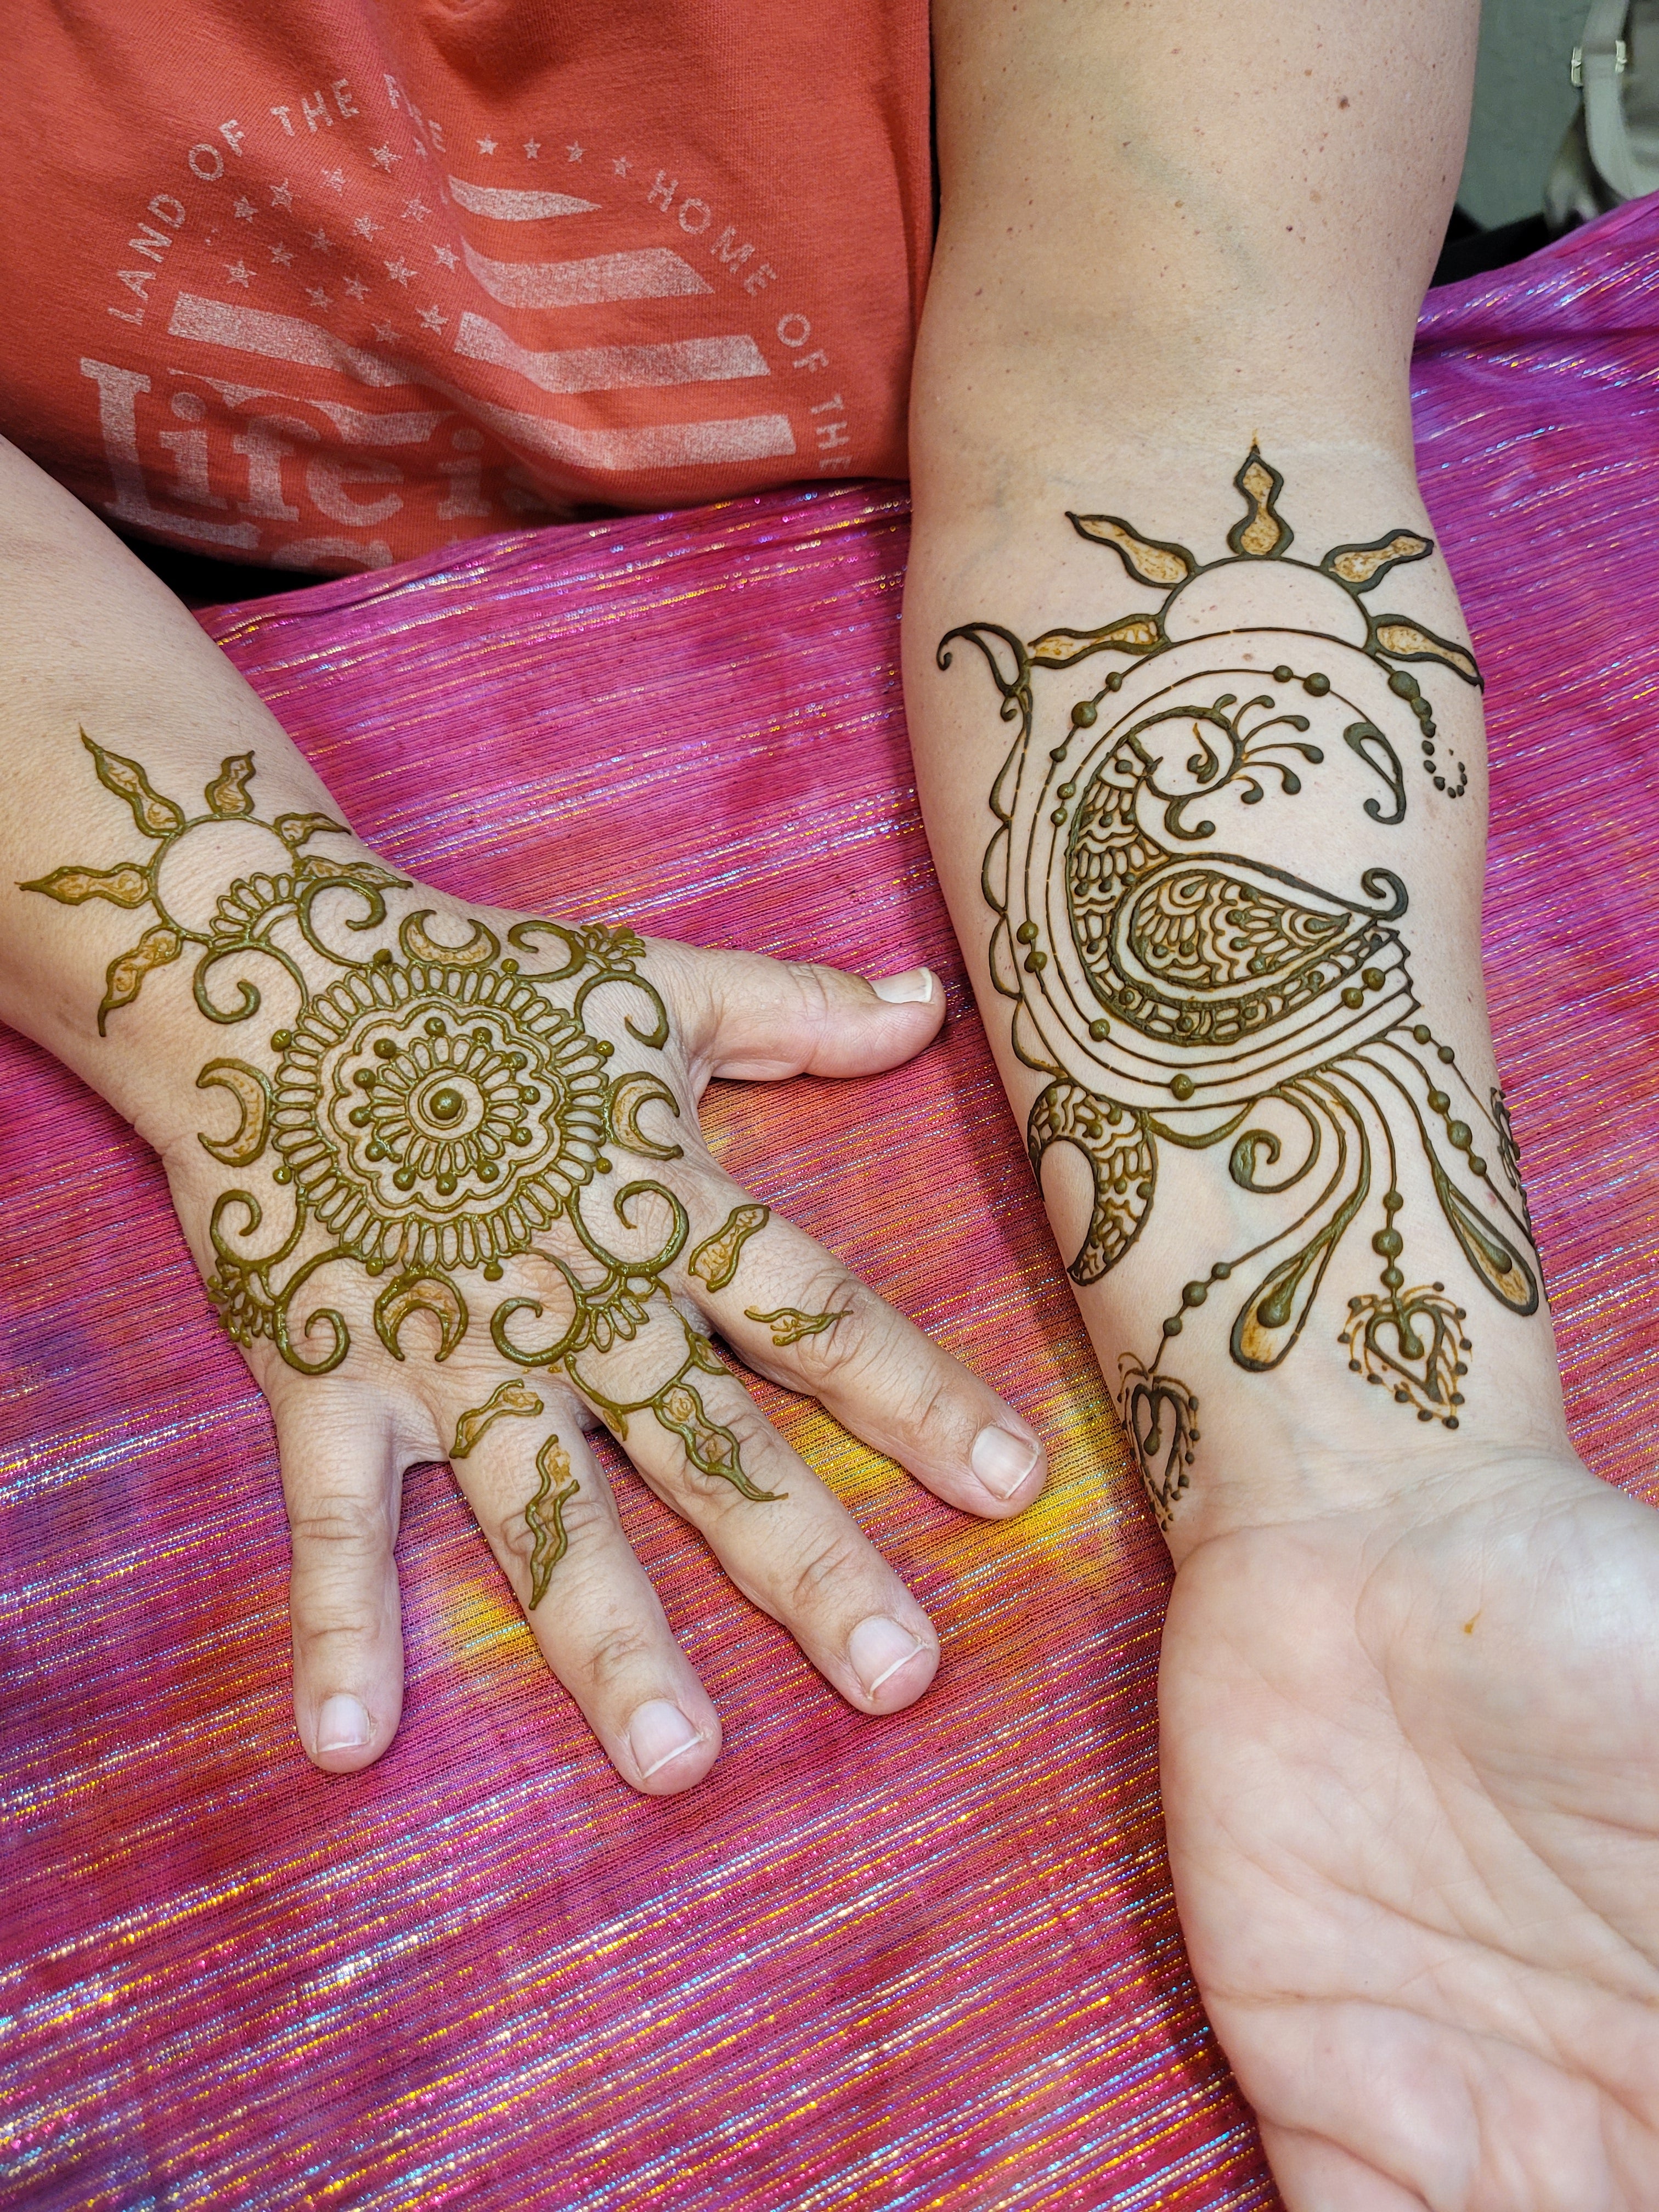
(1412, 1780)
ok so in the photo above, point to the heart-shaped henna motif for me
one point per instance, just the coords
(1161, 1415)
(1412, 1340)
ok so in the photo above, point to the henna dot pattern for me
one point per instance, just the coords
(1176, 986)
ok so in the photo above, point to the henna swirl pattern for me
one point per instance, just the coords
(434, 1112)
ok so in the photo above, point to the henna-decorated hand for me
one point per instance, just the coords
(443, 1171)
(1411, 1773)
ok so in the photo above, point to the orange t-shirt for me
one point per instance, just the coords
(325, 284)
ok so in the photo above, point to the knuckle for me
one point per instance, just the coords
(930, 1416)
(812, 983)
(618, 1653)
(829, 1562)
(346, 1632)
(340, 1526)
(581, 1513)
(851, 1346)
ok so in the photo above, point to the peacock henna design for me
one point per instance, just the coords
(432, 1112)
(1177, 991)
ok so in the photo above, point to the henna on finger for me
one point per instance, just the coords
(789, 1325)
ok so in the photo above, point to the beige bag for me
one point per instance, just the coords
(1611, 151)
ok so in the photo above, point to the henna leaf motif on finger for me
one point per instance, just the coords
(714, 1262)
(509, 1400)
(1167, 996)
(789, 1325)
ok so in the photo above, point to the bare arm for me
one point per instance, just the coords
(1197, 728)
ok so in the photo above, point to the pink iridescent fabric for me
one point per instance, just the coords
(925, 1961)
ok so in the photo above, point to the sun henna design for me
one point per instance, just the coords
(433, 1111)
(1176, 991)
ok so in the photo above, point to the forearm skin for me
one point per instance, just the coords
(1199, 737)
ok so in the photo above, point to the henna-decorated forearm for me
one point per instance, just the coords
(1174, 985)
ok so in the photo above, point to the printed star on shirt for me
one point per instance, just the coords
(486, 145)
(400, 272)
(282, 255)
(432, 318)
(364, 227)
(384, 157)
(356, 287)
(244, 211)
(573, 152)
(531, 148)
(385, 332)
(319, 242)
(281, 195)
(417, 210)
(336, 177)
(317, 297)
(620, 165)
(238, 272)
(445, 254)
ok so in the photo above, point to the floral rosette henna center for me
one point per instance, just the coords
(434, 1111)
(1176, 988)
(432, 1115)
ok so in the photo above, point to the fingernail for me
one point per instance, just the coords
(913, 988)
(1002, 1462)
(657, 1732)
(342, 1725)
(876, 1648)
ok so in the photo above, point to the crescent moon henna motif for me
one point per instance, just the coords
(1169, 985)
(432, 1112)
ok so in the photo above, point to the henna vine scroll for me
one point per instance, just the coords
(1171, 994)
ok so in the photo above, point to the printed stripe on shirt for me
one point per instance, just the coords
(612, 368)
(662, 445)
(652, 273)
(279, 337)
(516, 207)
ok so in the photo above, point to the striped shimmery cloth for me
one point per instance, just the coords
(920, 1962)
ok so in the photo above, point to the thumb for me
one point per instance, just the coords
(757, 1020)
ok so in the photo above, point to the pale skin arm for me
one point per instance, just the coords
(1410, 1711)
(89, 642)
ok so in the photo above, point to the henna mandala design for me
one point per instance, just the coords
(433, 1111)
(1172, 986)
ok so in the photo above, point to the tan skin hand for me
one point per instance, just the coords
(451, 1199)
